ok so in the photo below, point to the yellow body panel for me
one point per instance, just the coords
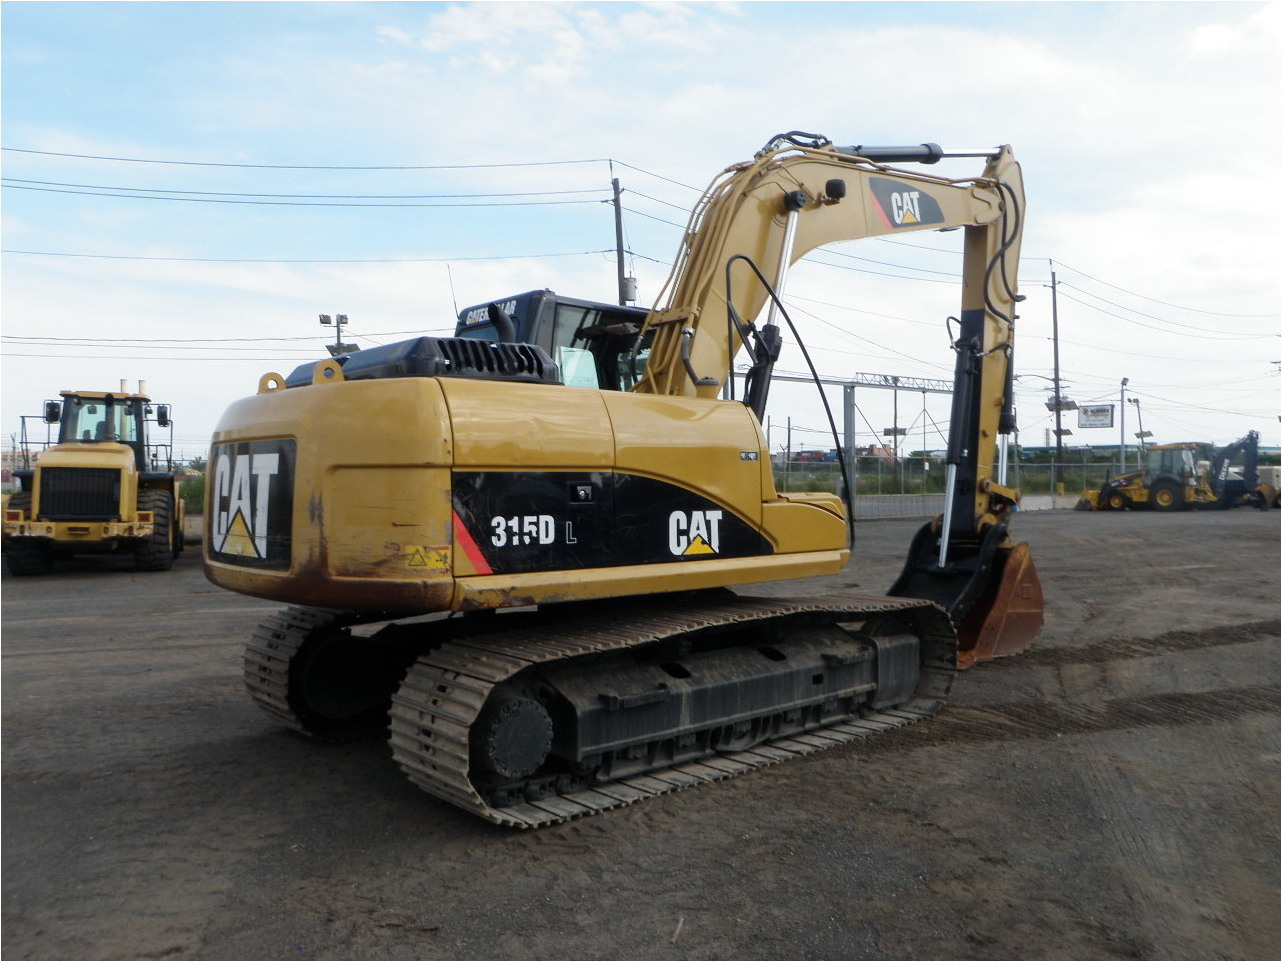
(805, 521)
(715, 446)
(373, 525)
(521, 426)
(371, 498)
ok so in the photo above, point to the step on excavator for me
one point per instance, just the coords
(521, 551)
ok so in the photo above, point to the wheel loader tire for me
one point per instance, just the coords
(1165, 497)
(1118, 502)
(157, 554)
(25, 557)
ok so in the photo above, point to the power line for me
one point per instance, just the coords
(144, 347)
(1218, 336)
(951, 275)
(124, 357)
(899, 242)
(273, 260)
(14, 181)
(1200, 407)
(1158, 357)
(198, 163)
(666, 223)
(161, 340)
(1198, 331)
(1144, 297)
(650, 173)
(288, 203)
(376, 201)
(665, 203)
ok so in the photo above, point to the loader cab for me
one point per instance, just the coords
(594, 344)
(1171, 461)
(106, 418)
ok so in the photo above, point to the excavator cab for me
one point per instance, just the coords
(593, 344)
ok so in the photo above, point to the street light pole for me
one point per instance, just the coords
(338, 320)
(1059, 397)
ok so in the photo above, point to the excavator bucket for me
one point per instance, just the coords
(989, 587)
(1008, 615)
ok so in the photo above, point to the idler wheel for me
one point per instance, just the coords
(512, 737)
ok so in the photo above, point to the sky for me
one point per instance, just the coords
(187, 186)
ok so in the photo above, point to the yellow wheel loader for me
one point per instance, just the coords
(525, 545)
(104, 486)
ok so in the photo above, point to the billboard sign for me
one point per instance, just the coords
(1095, 416)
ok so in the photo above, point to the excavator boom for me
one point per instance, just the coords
(790, 201)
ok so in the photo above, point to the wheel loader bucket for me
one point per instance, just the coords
(1008, 616)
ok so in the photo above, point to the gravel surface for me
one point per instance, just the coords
(1112, 793)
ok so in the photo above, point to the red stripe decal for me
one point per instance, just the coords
(881, 213)
(470, 547)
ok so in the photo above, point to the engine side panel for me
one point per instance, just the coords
(421, 494)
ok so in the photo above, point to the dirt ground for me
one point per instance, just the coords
(1113, 793)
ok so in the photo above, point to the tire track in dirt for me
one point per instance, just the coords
(1041, 719)
(1149, 849)
(1116, 649)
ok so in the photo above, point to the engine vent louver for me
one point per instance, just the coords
(442, 357)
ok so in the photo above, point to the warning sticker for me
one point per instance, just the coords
(432, 558)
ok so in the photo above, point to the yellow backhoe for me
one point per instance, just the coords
(1171, 479)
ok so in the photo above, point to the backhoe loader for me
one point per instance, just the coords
(1171, 479)
(523, 548)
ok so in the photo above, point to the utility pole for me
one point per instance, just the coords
(894, 433)
(627, 285)
(1141, 433)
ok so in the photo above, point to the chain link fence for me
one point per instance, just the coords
(914, 487)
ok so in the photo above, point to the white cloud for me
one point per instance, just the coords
(1260, 33)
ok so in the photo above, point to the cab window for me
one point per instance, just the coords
(594, 348)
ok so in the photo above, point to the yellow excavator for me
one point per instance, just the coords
(524, 549)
